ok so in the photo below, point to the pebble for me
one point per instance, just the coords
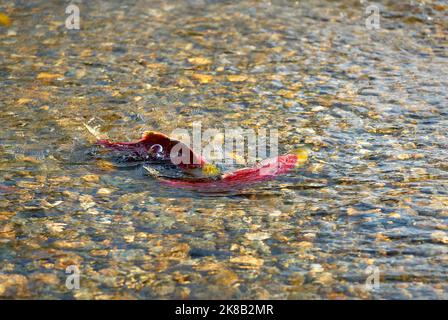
(203, 78)
(7, 231)
(324, 278)
(315, 267)
(91, 178)
(47, 279)
(258, 236)
(225, 278)
(13, 286)
(48, 76)
(104, 191)
(439, 237)
(247, 262)
(6, 215)
(199, 61)
(237, 78)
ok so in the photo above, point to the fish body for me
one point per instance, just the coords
(202, 175)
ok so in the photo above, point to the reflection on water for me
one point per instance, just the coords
(370, 103)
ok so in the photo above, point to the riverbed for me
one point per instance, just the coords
(365, 218)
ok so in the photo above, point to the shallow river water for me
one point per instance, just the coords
(371, 205)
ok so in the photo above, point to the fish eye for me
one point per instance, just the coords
(156, 150)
